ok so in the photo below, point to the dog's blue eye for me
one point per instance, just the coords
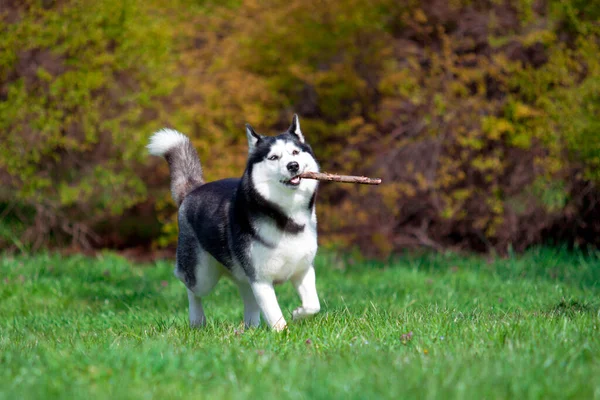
(273, 158)
(295, 152)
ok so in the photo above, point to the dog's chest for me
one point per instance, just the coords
(283, 254)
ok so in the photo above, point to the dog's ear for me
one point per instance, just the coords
(253, 138)
(294, 129)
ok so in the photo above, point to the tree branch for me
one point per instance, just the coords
(324, 176)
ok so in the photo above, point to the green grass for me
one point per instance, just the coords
(523, 327)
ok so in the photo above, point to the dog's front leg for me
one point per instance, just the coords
(307, 289)
(264, 292)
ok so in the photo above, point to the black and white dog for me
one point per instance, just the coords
(260, 230)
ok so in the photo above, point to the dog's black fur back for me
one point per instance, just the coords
(207, 210)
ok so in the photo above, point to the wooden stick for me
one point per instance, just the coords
(324, 176)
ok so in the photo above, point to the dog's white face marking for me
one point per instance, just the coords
(282, 154)
(271, 176)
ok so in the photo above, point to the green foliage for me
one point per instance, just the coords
(431, 326)
(78, 79)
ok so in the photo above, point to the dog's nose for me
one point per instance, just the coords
(293, 167)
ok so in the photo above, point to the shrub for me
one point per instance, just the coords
(80, 83)
(480, 117)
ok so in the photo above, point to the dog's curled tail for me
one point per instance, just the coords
(184, 164)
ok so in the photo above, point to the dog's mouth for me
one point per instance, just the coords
(295, 181)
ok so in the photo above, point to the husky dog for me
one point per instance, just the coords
(260, 230)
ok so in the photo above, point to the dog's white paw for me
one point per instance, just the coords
(303, 312)
(279, 325)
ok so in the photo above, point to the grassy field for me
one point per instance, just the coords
(433, 326)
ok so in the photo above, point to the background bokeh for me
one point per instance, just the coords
(482, 117)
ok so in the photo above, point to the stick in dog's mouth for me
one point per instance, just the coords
(324, 176)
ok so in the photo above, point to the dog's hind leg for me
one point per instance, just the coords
(200, 272)
(251, 308)
(307, 289)
(207, 275)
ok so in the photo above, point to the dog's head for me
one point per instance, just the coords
(278, 160)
